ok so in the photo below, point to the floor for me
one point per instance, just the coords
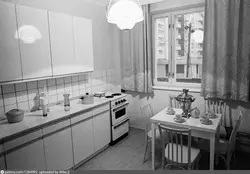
(128, 154)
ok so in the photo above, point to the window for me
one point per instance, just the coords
(178, 46)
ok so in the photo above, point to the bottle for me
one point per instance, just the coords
(44, 103)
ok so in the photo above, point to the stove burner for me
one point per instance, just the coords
(109, 96)
(116, 94)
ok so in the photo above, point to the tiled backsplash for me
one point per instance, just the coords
(21, 95)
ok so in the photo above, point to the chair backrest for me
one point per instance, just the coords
(174, 139)
(232, 138)
(173, 102)
(216, 105)
(147, 112)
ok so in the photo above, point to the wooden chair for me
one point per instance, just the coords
(173, 102)
(147, 112)
(225, 148)
(218, 107)
(174, 152)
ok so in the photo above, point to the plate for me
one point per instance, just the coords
(213, 116)
(170, 112)
(179, 121)
(203, 121)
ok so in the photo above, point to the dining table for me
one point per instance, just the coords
(199, 130)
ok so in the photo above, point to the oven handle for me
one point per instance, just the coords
(121, 123)
(120, 107)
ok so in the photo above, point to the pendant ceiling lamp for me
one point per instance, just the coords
(124, 13)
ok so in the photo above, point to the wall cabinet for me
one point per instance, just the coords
(101, 125)
(33, 29)
(83, 42)
(82, 137)
(62, 43)
(10, 62)
(29, 157)
(58, 150)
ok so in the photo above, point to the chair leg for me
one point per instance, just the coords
(146, 148)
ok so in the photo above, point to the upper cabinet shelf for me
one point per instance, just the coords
(37, 43)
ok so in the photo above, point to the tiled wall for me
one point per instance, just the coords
(21, 95)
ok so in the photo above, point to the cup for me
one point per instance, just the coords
(178, 117)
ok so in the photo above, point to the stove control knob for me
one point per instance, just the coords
(116, 103)
(119, 102)
(124, 100)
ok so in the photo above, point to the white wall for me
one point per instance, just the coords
(160, 98)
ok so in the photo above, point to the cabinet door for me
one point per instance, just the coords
(83, 44)
(2, 163)
(62, 45)
(58, 150)
(10, 63)
(83, 143)
(30, 157)
(102, 132)
(33, 31)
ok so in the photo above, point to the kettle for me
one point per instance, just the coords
(66, 100)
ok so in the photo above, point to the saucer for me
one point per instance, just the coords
(213, 116)
(182, 120)
(170, 112)
(203, 121)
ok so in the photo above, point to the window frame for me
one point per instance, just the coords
(171, 14)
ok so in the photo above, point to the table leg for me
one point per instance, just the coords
(212, 146)
(153, 146)
(216, 142)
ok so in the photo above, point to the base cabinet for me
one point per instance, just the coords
(101, 125)
(83, 143)
(30, 157)
(58, 150)
(2, 163)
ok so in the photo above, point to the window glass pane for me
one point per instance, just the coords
(189, 47)
(161, 48)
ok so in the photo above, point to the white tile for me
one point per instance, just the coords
(60, 89)
(75, 79)
(22, 96)
(82, 77)
(21, 86)
(68, 87)
(52, 90)
(10, 107)
(42, 83)
(109, 72)
(0, 89)
(2, 113)
(9, 99)
(1, 100)
(82, 85)
(75, 93)
(32, 93)
(41, 90)
(60, 97)
(8, 88)
(51, 82)
(89, 90)
(24, 106)
(104, 73)
(82, 91)
(93, 74)
(70, 94)
(75, 86)
(59, 81)
(31, 104)
(53, 99)
(32, 85)
(67, 80)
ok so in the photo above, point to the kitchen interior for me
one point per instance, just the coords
(90, 85)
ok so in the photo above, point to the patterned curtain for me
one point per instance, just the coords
(226, 60)
(136, 56)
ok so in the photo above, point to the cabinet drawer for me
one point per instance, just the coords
(22, 140)
(101, 109)
(55, 127)
(81, 117)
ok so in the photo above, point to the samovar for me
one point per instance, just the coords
(186, 101)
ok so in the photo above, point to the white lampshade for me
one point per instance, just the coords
(124, 13)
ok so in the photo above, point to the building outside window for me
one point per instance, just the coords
(177, 52)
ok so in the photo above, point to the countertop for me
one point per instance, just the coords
(34, 120)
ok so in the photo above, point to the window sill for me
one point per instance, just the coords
(177, 88)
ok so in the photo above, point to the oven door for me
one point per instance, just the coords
(119, 114)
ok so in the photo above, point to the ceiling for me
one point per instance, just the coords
(106, 2)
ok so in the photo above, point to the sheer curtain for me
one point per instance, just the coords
(226, 60)
(136, 60)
